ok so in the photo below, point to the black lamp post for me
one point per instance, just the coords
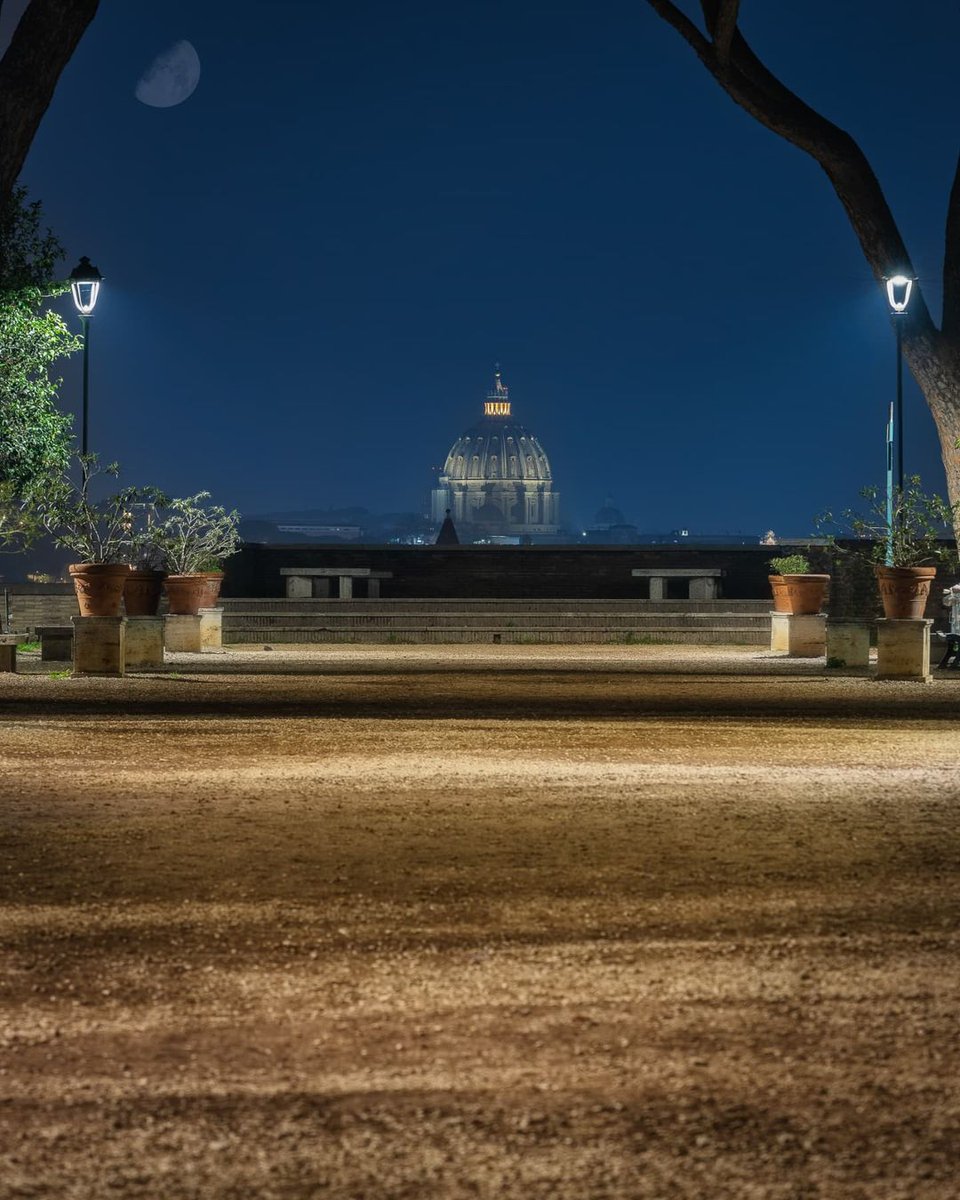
(899, 288)
(85, 282)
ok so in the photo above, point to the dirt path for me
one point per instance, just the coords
(430, 923)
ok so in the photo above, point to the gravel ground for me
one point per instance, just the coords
(499, 922)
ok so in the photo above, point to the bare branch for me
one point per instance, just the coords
(721, 17)
(760, 93)
(684, 26)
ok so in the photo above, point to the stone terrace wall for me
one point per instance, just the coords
(556, 572)
(509, 572)
(33, 604)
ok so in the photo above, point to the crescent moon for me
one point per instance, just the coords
(171, 78)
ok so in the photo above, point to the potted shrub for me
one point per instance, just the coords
(904, 547)
(99, 532)
(194, 539)
(795, 588)
(144, 583)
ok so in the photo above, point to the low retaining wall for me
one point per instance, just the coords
(27, 605)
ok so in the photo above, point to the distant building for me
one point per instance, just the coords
(496, 480)
(610, 527)
(347, 533)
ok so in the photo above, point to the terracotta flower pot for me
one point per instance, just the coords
(781, 600)
(99, 587)
(214, 583)
(904, 591)
(806, 593)
(141, 593)
(186, 594)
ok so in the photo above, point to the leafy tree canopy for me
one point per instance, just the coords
(34, 434)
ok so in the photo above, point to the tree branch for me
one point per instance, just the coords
(760, 93)
(41, 47)
(721, 17)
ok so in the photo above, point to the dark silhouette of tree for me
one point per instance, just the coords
(41, 46)
(933, 354)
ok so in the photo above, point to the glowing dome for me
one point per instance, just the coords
(497, 476)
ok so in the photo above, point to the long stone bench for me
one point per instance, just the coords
(702, 581)
(305, 582)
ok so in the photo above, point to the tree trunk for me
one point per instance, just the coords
(41, 47)
(936, 369)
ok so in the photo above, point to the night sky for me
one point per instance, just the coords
(314, 262)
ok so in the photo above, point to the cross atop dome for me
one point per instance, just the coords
(497, 403)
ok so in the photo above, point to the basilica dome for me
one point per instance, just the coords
(497, 475)
(497, 447)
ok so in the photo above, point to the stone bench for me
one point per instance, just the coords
(702, 581)
(8, 651)
(56, 643)
(303, 583)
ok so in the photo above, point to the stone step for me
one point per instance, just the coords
(493, 621)
(280, 604)
(531, 635)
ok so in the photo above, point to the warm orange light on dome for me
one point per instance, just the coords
(496, 408)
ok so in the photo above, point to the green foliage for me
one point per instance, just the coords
(790, 564)
(67, 674)
(192, 535)
(27, 647)
(18, 522)
(96, 531)
(921, 521)
(34, 434)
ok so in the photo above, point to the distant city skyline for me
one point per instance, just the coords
(313, 261)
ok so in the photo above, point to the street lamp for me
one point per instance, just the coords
(85, 282)
(899, 288)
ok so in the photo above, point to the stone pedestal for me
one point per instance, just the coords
(211, 628)
(800, 637)
(98, 645)
(191, 635)
(903, 650)
(143, 646)
(848, 644)
(181, 635)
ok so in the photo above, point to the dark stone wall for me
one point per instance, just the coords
(558, 572)
(536, 572)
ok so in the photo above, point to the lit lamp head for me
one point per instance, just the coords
(899, 288)
(85, 282)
